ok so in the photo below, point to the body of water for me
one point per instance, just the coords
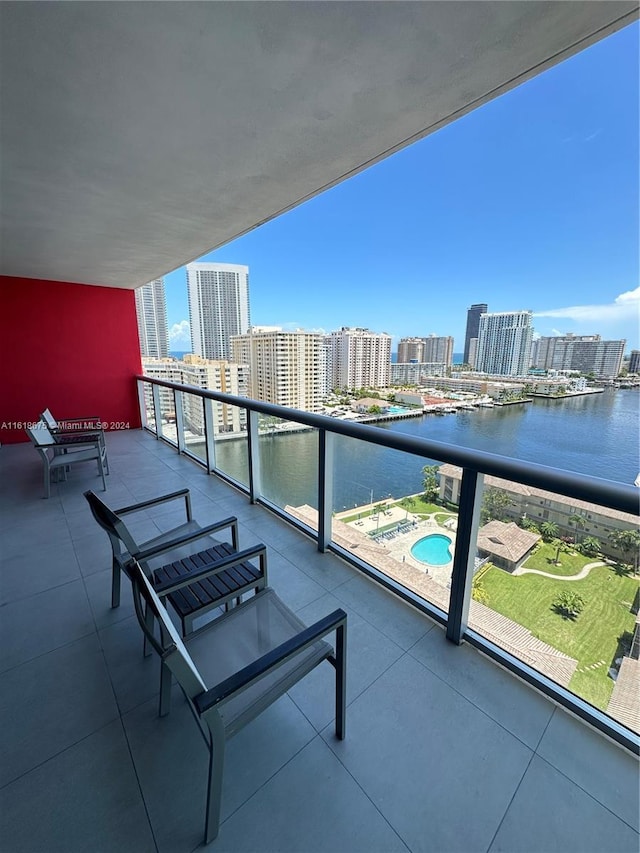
(596, 435)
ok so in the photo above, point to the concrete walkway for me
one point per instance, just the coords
(578, 577)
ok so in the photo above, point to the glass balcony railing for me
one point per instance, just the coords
(535, 566)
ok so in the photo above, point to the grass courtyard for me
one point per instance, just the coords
(595, 638)
(569, 563)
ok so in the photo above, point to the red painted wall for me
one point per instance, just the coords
(72, 348)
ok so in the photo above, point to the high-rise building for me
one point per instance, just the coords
(504, 343)
(218, 307)
(546, 349)
(432, 349)
(473, 325)
(473, 352)
(634, 361)
(416, 373)
(438, 349)
(222, 376)
(285, 368)
(151, 308)
(410, 350)
(360, 358)
(584, 353)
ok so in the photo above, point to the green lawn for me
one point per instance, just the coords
(609, 594)
(570, 564)
(418, 506)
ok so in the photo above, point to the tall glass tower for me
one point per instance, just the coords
(151, 308)
(218, 307)
(473, 324)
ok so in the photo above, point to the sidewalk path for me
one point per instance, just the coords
(581, 574)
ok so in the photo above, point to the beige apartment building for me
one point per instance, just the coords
(285, 368)
(539, 506)
(432, 349)
(360, 358)
(206, 374)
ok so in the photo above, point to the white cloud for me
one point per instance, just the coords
(623, 307)
(180, 335)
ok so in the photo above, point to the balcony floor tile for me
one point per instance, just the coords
(86, 798)
(439, 770)
(603, 769)
(39, 623)
(37, 568)
(50, 703)
(172, 761)
(552, 814)
(399, 621)
(505, 699)
(326, 811)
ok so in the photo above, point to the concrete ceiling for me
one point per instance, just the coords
(136, 136)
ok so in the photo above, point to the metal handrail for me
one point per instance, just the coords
(570, 484)
(475, 464)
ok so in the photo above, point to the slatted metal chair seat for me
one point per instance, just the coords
(236, 666)
(211, 591)
(180, 553)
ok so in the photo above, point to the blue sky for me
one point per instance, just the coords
(530, 202)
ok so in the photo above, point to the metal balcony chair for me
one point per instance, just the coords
(54, 461)
(78, 430)
(178, 554)
(234, 668)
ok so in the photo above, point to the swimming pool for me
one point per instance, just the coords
(433, 549)
(397, 410)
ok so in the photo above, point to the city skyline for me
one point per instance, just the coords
(528, 203)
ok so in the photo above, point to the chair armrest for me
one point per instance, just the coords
(232, 521)
(88, 431)
(263, 665)
(215, 567)
(77, 445)
(92, 422)
(154, 501)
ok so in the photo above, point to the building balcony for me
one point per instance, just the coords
(445, 750)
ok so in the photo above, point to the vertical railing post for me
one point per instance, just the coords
(179, 410)
(465, 554)
(209, 434)
(255, 486)
(157, 409)
(325, 488)
(142, 403)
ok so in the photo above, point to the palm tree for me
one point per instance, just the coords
(561, 547)
(628, 542)
(549, 530)
(591, 546)
(579, 523)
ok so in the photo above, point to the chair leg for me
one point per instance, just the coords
(115, 584)
(101, 469)
(214, 787)
(165, 689)
(148, 619)
(47, 481)
(104, 452)
(341, 680)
